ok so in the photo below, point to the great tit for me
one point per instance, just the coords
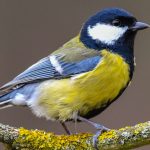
(84, 76)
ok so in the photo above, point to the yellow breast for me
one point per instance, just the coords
(64, 99)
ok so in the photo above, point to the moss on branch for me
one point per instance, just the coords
(125, 138)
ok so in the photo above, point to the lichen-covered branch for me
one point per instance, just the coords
(122, 139)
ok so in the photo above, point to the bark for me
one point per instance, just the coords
(122, 139)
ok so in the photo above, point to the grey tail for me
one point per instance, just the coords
(6, 100)
(6, 104)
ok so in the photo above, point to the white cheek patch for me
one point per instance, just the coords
(106, 33)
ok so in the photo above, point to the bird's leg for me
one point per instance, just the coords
(99, 127)
(96, 125)
(66, 128)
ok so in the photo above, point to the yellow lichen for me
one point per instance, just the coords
(108, 135)
(35, 139)
(125, 128)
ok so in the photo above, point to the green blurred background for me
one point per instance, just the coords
(32, 29)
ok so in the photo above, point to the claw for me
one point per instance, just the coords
(98, 133)
(99, 127)
(95, 139)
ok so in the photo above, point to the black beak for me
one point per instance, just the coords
(139, 26)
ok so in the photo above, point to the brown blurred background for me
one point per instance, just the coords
(32, 29)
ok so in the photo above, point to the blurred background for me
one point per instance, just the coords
(32, 29)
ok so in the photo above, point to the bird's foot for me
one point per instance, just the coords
(100, 129)
(99, 126)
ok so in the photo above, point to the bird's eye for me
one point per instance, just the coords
(116, 22)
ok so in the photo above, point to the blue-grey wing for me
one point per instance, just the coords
(52, 67)
(41, 70)
(78, 67)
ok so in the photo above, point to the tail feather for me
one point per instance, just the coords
(17, 96)
(5, 103)
(5, 106)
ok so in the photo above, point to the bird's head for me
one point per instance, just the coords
(111, 28)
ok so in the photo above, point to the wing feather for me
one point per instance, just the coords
(45, 69)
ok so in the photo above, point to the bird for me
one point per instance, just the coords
(84, 76)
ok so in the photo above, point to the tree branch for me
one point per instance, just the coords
(125, 138)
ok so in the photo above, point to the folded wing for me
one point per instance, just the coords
(51, 67)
